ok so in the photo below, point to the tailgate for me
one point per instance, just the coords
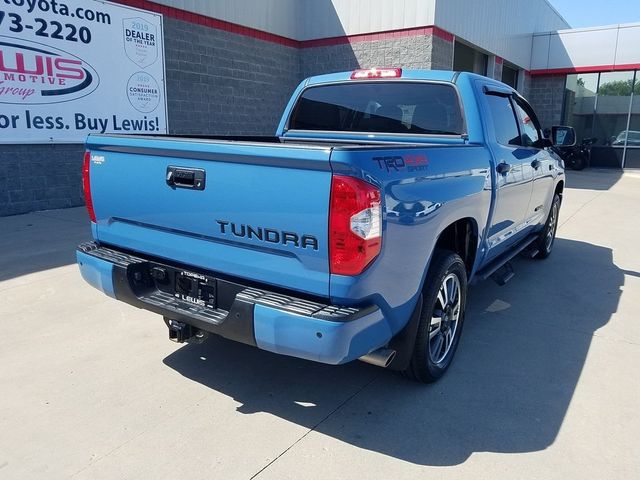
(257, 211)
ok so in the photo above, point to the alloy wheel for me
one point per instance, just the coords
(445, 319)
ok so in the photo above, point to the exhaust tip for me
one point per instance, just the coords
(381, 357)
(390, 358)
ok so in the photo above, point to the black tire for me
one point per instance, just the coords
(426, 365)
(579, 162)
(547, 236)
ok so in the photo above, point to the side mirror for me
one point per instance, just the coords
(563, 136)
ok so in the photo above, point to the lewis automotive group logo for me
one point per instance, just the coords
(32, 73)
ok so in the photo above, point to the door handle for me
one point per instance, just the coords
(536, 164)
(503, 168)
(182, 177)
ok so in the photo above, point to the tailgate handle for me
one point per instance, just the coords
(182, 177)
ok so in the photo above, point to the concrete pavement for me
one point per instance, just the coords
(545, 383)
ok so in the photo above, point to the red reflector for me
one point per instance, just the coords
(86, 185)
(376, 73)
(355, 225)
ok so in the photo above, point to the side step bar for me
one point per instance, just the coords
(502, 261)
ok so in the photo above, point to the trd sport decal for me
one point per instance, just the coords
(402, 163)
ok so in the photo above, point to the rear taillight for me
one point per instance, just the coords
(86, 185)
(355, 225)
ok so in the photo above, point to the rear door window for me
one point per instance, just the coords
(530, 135)
(389, 107)
(505, 122)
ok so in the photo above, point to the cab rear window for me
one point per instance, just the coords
(384, 107)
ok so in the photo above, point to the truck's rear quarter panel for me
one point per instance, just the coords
(425, 189)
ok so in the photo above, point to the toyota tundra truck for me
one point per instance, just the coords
(353, 233)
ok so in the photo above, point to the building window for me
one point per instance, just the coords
(468, 59)
(510, 75)
(529, 129)
(632, 136)
(603, 108)
(505, 122)
(612, 114)
(580, 103)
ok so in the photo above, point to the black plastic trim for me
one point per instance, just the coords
(232, 316)
(255, 159)
(236, 324)
(499, 261)
(404, 342)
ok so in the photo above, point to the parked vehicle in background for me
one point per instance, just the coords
(351, 234)
(630, 137)
(576, 157)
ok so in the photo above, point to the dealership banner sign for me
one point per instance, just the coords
(73, 67)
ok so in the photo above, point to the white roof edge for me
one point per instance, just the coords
(589, 29)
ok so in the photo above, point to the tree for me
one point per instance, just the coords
(619, 88)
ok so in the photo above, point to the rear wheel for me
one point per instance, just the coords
(578, 162)
(547, 237)
(442, 316)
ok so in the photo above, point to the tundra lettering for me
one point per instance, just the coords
(268, 235)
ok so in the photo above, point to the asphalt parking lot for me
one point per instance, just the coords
(545, 383)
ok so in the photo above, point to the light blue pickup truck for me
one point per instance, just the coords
(353, 233)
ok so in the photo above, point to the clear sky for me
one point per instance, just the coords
(591, 13)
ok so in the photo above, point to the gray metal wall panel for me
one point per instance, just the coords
(587, 47)
(502, 27)
(331, 18)
(310, 19)
(274, 16)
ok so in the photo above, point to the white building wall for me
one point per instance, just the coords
(609, 47)
(280, 17)
(333, 18)
(501, 27)
(312, 19)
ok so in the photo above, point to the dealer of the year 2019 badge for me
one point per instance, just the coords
(141, 47)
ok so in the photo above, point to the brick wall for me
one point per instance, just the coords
(407, 52)
(546, 94)
(440, 53)
(40, 177)
(223, 83)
